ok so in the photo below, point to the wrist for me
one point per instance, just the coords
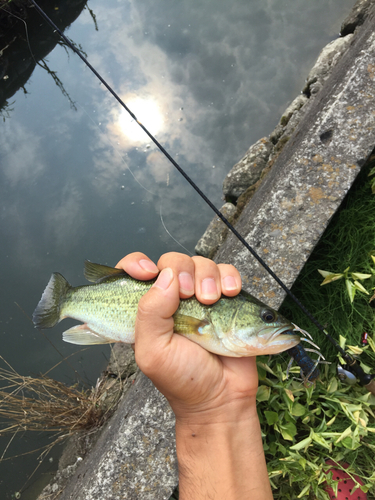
(222, 458)
(216, 412)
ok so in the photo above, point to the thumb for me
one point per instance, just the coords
(154, 322)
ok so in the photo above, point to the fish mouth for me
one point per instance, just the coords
(285, 333)
(279, 340)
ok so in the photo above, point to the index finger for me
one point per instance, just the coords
(138, 266)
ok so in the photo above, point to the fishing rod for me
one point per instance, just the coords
(298, 353)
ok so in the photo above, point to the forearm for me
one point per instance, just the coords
(223, 458)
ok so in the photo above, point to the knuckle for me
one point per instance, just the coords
(173, 259)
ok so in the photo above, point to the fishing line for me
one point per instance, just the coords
(169, 234)
(347, 357)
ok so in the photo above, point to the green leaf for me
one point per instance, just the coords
(302, 444)
(330, 277)
(263, 393)
(350, 289)
(332, 386)
(272, 417)
(289, 393)
(371, 343)
(304, 491)
(351, 442)
(360, 287)
(274, 473)
(298, 410)
(360, 276)
(342, 342)
(320, 440)
(288, 431)
(332, 420)
(265, 367)
(262, 374)
(347, 432)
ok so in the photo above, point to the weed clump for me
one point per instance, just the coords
(44, 404)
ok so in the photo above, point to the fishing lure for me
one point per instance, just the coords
(309, 367)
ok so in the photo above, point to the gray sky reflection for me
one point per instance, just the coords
(218, 85)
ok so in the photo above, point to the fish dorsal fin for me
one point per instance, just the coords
(98, 272)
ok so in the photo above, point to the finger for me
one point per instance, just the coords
(154, 322)
(230, 280)
(184, 267)
(207, 280)
(139, 266)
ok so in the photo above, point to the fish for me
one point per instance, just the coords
(237, 326)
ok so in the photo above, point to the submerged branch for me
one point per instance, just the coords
(43, 64)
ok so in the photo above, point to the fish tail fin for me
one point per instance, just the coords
(47, 312)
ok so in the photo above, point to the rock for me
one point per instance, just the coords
(289, 119)
(277, 133)
(122, 362)
(356, 17)
(215, 233)
(247, 171)
(327, 59)
(295, 106)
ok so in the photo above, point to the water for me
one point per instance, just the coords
(209, 78)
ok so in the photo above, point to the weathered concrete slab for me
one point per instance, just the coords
(135, 456)
(289, 212)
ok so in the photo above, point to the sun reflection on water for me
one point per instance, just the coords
(148, 113)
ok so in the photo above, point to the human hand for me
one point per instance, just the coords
(218, 437)
(200, 386)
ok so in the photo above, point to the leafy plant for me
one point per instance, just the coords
(303, 427)
(371, 173)
(352, 280)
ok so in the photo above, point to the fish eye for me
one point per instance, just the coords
(268, 316)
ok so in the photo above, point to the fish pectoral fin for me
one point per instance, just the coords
(82, 335)
(188, 325)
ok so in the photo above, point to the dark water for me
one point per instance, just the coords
(77, 181)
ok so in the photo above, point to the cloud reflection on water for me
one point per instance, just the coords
(22, 158)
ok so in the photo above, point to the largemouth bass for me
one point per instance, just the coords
(233, 326)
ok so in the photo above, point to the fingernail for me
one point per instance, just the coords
(149, 266)
(186, 283)
(165, 278)
(209, 289)
(230, 283)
